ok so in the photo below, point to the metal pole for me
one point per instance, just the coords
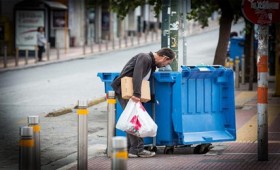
(84, 49)
(125, 39)
(33, 121)
(26, 57)
(111, 121)
(36, 53)
(243, 69)
(146, 36)
(113, 43)
(82, 112)
(138, 39)
(106, 44)
(120, 42)
(157, 35)
(231, 63)
(165, 23)
(262, 93)
(57, 53)
(119, 160)
(48, 51)
(5, 57)
(184, 6)
(131, 40)
(174, 27)
(237, 72)
(91, 46)
(16, 62)
(26, 144)
(99, 45)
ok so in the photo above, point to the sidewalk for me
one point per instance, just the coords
(73, 53)
(239, 154)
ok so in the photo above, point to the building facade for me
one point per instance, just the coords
(67, 22)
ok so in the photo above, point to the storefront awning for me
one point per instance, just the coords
(55, 5)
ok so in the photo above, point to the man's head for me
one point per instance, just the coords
(164, 57)
(40, 29)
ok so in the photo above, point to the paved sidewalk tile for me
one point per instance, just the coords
(224, 155)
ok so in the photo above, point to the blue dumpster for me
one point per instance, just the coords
(236, 47)
(108, 78)
(195, 106)
(166, 83)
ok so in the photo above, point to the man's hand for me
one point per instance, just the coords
(135, 99)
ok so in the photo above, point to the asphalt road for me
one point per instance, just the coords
(40, 90)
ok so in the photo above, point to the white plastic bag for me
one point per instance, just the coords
(136, 120)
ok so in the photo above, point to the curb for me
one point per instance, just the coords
(78, 57)
(83, 56)
(66, 110)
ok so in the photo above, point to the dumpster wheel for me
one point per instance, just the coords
(168, 150)
(151, 148)
(202, 149)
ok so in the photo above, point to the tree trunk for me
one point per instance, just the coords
(224, 32)
(249, 54)
(277, 61)
(252, 65)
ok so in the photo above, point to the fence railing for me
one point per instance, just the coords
(23, 57)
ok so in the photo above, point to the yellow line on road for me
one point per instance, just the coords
(244, 97)
(248, 132)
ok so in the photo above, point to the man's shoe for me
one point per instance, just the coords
(146, 154)
(130, 155)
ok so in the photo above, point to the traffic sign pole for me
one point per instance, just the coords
(262, 93)
(262, 13)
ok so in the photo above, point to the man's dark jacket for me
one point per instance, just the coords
(137, 68)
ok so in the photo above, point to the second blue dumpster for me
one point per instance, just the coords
(195, 106)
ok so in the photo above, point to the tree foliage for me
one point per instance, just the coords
(229, 10)
(201, 10)
(122, 7)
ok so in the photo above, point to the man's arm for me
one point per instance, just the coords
(141, 64)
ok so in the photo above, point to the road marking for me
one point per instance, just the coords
(22, 121)
(244, 97)
(248, 132)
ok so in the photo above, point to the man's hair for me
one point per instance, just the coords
(166, 52)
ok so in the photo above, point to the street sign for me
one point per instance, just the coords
(262, 12)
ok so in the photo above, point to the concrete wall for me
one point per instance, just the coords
(98, 13)
(77, 21)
